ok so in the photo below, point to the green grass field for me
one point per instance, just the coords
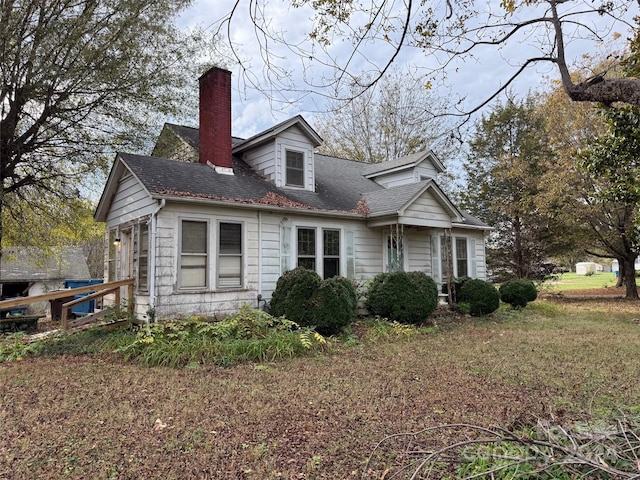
(572, 281)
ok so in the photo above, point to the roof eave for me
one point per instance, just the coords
(269, 134)
(471, 227)
(257, 206)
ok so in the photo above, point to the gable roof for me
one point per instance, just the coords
(343, 187)
(29, 264)
(402, 163)
(395, 200)
(339, 185)
(274, 131)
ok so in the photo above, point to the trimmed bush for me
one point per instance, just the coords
(518, 292)
(334, 305)
(456, 285)
(481, 297)
(293, 293)
(403, 297)
(328, 305)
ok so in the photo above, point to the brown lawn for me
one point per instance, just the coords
(318, 417)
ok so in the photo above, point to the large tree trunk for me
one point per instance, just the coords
(621, 267)
(630, 279)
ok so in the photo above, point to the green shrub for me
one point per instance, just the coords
(334, 305)
(518, 292)
(15, 347)
(293, 294)
(456, 285)
(479, 297)
(249, 335)
(403, 297)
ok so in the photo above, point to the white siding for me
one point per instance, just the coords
(425, 170)
(262, 159)
(294, 139)
(426, 211)
(395, 179)
(171, 301)
(420, 172)
(418, 250)
(130, 201)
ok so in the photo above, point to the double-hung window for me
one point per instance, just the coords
(462, 258)
(307, 248)
(230, 255)
(294, 169)
(142, 256)
(319, 252)
(331, 253)
(193, 254)
(455, 256)
(111, 262)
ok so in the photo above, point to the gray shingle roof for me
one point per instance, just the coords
(339, 185)
(400, 162)
(29, 264)
(392, 199)
(192, 135)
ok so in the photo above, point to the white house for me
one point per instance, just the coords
(209, 221)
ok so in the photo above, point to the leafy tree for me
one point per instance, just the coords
(80, 79)
(396, 118)
(56, 224)
(507, 158)
(568, 126)
(613, 162)
(524, 34)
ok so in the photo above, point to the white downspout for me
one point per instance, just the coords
(259, 256)
(152, 274)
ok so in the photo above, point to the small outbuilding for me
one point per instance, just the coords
(586, 268)
(28, 271)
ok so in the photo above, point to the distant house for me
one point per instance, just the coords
(28, 271)
(210, 222)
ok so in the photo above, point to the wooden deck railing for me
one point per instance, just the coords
(100, 289)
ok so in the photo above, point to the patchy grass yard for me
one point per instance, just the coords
(572, 281)
(316, 417)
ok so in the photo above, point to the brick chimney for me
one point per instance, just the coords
(215, 119)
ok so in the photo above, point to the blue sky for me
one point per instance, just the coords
(475, 78)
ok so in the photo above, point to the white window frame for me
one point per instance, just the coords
(319, 247)
(138, 255)
(112, 252)
(315, 246)
(386, 247)
(455, 256)
(286, 167)
(240, 255)
(181, 254)
(325, 256)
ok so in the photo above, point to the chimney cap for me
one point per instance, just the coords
(211, 70)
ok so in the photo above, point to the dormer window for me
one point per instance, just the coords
(294, 169)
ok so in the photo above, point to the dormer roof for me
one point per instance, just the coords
(271, 133)
(403, 163)
(396, 200)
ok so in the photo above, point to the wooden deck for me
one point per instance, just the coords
(99, 290)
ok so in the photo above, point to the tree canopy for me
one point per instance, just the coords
(81, 79)
(396, 118)
(508, 156)
(360, 41)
